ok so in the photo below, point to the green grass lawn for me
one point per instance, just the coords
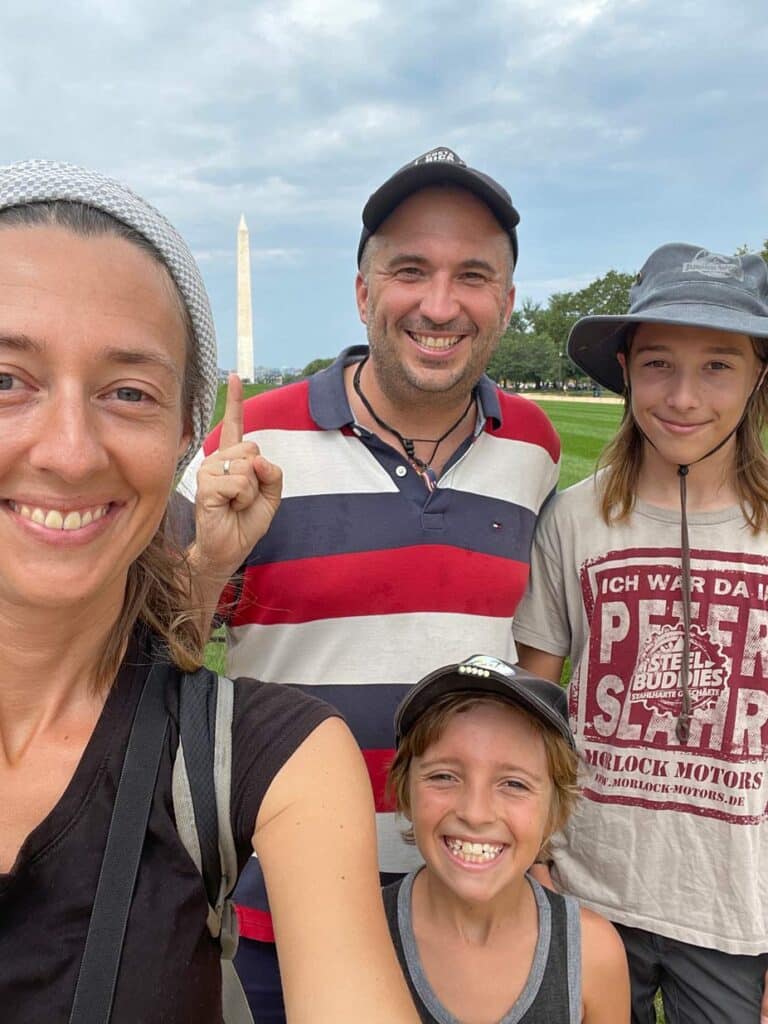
(584, 428)
(248, 390)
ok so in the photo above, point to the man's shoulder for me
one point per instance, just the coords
(523, 420)
(283, 408)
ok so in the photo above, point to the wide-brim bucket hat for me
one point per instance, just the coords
(681, 285)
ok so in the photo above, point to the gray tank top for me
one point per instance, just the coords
(552, 992)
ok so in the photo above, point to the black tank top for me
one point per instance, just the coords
(552, 992)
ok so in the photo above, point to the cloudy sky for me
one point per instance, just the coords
(615, 124)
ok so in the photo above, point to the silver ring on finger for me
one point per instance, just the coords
(226, 465)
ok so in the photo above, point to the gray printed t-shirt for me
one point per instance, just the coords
(669, 838)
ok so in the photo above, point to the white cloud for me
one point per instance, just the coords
(539, 289)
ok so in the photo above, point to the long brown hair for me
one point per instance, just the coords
(158, 588)
(622, 459)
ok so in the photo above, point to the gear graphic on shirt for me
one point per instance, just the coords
(656, 681)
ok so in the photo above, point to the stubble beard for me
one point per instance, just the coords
(402, 386)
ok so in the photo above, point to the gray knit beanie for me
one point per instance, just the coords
(40, 181)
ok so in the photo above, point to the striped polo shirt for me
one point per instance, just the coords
(366, 580)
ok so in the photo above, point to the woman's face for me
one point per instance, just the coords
(480, 797)
(92, 352)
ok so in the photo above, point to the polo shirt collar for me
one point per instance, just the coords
(328, 402)
(488, 397)
(329, 406)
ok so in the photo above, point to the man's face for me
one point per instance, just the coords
(437, 294)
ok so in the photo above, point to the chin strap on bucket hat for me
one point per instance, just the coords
(683, 727)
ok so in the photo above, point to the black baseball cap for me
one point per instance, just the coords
(439, 166)
(483, 674)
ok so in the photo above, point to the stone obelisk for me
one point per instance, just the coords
(244, 317)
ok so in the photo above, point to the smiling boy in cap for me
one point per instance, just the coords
(485, 771)
(653, 578)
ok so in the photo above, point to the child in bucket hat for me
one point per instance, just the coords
(484, 771)
(652, 576)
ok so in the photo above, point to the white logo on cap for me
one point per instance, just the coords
(493, 664)
(713, 264)
(440, 156)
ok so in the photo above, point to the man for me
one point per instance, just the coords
(412, 485)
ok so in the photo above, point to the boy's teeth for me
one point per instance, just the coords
(53, 519)
(474, 852)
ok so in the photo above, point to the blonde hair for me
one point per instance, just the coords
(159, 585)
(562, 760)
(622, 459)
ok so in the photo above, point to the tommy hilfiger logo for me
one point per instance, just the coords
(713, 264)
(441, 155)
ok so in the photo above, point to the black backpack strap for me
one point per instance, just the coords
(201, 789)
(198, 697)
(99, 967)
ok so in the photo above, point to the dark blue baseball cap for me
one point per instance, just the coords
(440, 166)
(486, 675)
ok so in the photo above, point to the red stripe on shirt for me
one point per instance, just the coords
(378, 762)
(523, 420)
(422, 578)
(284, 408)
(255, 924)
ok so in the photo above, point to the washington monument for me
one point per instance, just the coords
(244, 318)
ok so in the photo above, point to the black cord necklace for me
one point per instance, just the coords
(408, 443)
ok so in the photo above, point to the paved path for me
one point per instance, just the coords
(607, 400)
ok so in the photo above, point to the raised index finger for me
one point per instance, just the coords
(232, 421)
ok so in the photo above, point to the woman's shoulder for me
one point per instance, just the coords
(259, 702)
(270, 720)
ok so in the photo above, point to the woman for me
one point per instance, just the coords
(485, 770)
(107, 378)
(653, 577)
